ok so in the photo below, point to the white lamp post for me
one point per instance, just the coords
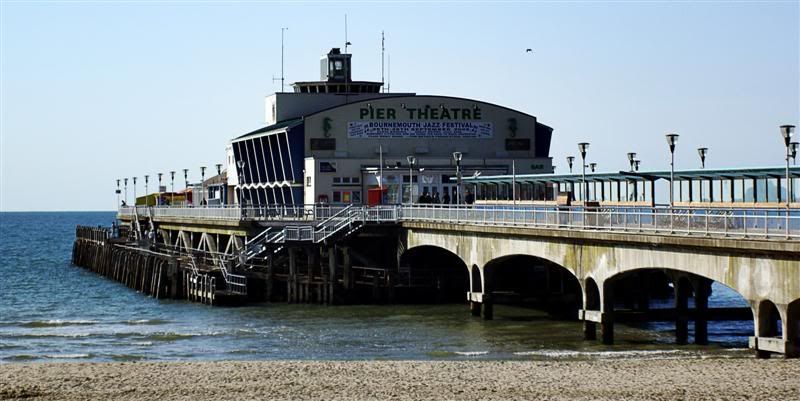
(457, 157)
(411, 160)
(172, 188)
(672, 139)
(787, 131)
(583, 146)
(202, 184)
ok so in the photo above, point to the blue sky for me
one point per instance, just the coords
(95, 91)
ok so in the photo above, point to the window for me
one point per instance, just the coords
(345, 180)
(337, 65)
(337, 180)
(337, 196)
(308, 181)
(355, 180)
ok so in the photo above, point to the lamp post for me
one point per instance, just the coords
(631, 159)
(593, 167)
(134, 191)
(411, 160)
(702, 152)
(222, 184)
(672, 139)
(202, 184)
(172, 188)
(635, 185)
(636, 164)
(457, 157)
(570, 160)
(240, 163)
(146, 182)
(126, 190)
(118, 191)
(582, 147)
(787, 131)
(159, 188)
(793, 149)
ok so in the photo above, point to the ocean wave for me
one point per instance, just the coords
(22, 357)
(142, 343)
(56, 323)
(559, 354)
(17, 335)
(67, 356)
(470, 353)
(146, 322)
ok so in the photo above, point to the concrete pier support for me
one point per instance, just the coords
(291, 282)
(682, 292)
(488, 308)
(702, 291)
(607, 318)
(475, 308)
(347, 268)
(589, 330)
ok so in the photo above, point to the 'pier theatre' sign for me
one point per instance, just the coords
(427, 122)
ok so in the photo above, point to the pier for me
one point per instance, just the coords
(601, 266)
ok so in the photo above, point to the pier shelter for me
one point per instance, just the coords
(760, 187)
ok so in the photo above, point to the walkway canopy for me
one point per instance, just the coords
(730, 187)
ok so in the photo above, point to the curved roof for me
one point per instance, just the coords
(394, 98)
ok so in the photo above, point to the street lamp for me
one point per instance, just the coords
(702, 152)
(146, 181)
(793, 149)
(636, 164)
(593, 166)
(582, 147)
(631, 159)
(457, 157)
(134, 191)
(172, 188)
(787, 131)
(411, 161)
(202, 184)
(672, 139)
(126, 190)
(118, 191)
(222, 184)
(240, 163)
(570, 159)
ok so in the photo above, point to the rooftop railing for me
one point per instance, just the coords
(735, 222)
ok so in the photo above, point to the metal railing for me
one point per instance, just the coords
(734, 222)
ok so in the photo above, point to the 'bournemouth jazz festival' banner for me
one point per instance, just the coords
(419, 129)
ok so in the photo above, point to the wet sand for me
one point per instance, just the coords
(666, 379)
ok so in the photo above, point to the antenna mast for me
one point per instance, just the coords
(389, 73)
(346, 43)
(282, 78)
(383, 49)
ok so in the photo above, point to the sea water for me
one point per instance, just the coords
(51, 310)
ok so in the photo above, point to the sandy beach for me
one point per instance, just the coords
(671, 379)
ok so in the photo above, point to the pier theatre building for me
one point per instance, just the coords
(342, 141)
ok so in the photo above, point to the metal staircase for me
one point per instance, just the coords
(349, 219)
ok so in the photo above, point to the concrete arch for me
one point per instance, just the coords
(591, 294)
(476, 279)
(440, 270)
(769, 319)
(418, 247)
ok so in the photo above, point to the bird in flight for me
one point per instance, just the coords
(528, 50)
